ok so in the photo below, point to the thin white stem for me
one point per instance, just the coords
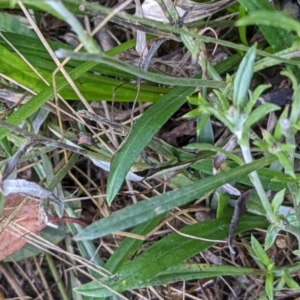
(258, 185)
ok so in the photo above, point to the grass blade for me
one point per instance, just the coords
(167, 253)
(142, 132)
(146, 210)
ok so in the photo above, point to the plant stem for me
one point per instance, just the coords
(57, 277)
(290, 140)
(258, 186)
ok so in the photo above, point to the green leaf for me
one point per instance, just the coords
(118, 64)
(295, 109)
(168, 253)
(279, 39)
(199, 271)
(10, 23)
(243, 78)
(130, 246)
(193, 113)
(222, 100)
(243, 29)
(268, 137)
(37, 101)
(14, 67)
(254, 97)
(291, 283)
(260, 112)
(223, 200)
(204, 130)
(286, 163)
(263, 145)
(194, 100)
(209, 147)
(220, 115)
(271, 236)
(266, 175)
(277, 200)
(278, 129)
(259, 252)
(141, 134)
(296, 252)
(267, 18)
(269, 286)
(93, 87)
(146, 210)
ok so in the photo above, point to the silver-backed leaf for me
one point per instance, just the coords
(27, 188)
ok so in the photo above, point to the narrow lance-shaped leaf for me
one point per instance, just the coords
(267, 18)
(255, 95)
(10, 166)
(146, 210)
(144, 129)
(260, 112)
(168, 253)
(243, 78)
(142, 132)
(259, 252)
(118, 64)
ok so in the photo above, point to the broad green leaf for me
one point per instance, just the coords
(243, 78)
(14, 67)
(168, 253)
(11, 23)
(279, 39)
(146, 210)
